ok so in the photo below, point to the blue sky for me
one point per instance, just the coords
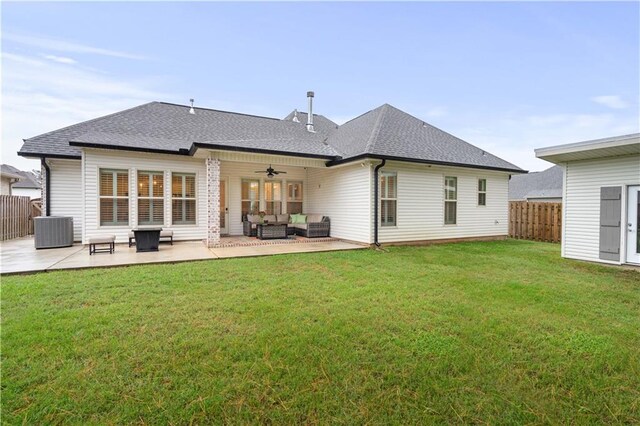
(508, 77)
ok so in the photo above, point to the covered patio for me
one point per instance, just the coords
(20, 256)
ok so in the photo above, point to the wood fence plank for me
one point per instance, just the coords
(15, 217)
(535, 221)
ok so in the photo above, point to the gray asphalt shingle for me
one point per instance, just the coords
(384, 131)
(545, 184)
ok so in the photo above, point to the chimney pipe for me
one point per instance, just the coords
(310, 113)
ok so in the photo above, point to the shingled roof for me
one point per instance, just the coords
(545, 184)
(385, 132)
(27, 179)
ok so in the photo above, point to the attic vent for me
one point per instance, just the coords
(191, 110)
(295, 116)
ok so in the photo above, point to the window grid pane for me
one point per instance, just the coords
(183, 202)
(113, 203)
(388, 199)
(250, 194)
(482, 192)
(450, 188)
(450, 210)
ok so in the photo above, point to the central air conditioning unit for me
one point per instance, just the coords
(53, 231)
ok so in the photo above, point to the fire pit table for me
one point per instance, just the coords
(147, 239)
(270, 231)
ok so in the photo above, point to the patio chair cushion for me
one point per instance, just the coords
(102, 239)
(298, 218)
(300, 225)
(314, 218)
(282, 218)
(253, 218)
(166, 233)
(270, 218)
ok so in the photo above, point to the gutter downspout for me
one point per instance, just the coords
(376, 183)
(47, 183)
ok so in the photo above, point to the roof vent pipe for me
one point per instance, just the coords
(310, 113)
(191, 110)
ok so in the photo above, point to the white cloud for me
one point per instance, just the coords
(514, 138)
(58, 45)
(41, 95)
(611, 101)
(60, 59)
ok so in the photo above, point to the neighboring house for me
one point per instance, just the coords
(601, 198)
(27, 186)
(207, 172)
(545, 186)
(7, 178)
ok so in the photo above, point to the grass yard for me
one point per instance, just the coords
(498, 332)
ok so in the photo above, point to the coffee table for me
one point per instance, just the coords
(271, 231)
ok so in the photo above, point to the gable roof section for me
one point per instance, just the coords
(385, 132)
(27, 179)
(545, 184)
(390, 133)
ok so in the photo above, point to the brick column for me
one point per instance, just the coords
(213, 202)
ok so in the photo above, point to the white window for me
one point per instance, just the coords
(482, 192)
(450, 200)
(273, 197)
(388, 199)
(114, 197)
(150, 198)
(294, 197)
(183, 198)
(250, 195)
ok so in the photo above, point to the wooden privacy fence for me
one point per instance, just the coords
(535, 221)
(16, 216)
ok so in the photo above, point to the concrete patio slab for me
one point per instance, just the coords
(229, 252)
(125, 255)
(20, 255)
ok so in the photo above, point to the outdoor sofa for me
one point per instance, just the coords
(310, 226)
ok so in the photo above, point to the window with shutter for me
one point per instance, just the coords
(150, 198)
(114, 197)
(183, 198)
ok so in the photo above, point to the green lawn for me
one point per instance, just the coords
(498, 332)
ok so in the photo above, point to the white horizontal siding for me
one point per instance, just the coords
(26, 192)
(234, 172)
(265, 159)
(66, 192)
(421, 204)
(583, 181)
(94, 160)
(343, 194)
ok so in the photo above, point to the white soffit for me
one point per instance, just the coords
(598, 148)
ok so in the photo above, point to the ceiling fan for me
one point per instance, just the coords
(270, 172)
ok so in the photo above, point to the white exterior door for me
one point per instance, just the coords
(633, 219)
(224, 207)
